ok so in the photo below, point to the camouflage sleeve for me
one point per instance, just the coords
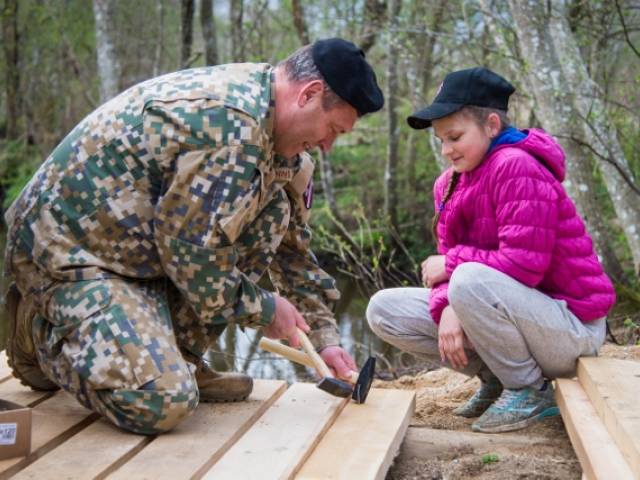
(210, 157)
(299, 278)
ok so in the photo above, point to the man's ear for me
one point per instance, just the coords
(310, 90)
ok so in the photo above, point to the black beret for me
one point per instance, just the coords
(474, 86)
(345, 69)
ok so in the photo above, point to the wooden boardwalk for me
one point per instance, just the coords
(601, 413)
(279, 432)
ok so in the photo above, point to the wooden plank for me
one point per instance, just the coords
(598, 454)
(53, 421)
(279, 443)
(197, 443)
(428, 443)
(5, 371)
(613, 387)
(364, 439)
(86, 454)
(14, 391)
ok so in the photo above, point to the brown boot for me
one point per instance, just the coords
(21, 354)
(220, 386)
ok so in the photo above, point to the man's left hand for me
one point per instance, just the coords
(339, 362)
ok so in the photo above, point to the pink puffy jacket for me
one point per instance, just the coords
(512, 213)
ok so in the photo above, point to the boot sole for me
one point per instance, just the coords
(42, 384)
(224, 400)
(549, 412)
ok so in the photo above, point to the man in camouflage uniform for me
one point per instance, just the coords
(145, 233)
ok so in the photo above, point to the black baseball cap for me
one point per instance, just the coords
(474, 86)
(344, 68)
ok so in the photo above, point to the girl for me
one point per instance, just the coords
(516, 293)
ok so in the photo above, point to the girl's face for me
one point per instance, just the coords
(464, 142)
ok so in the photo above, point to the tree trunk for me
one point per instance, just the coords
(599, 131)
(159, 51)
(390, 174)
(11, 43)
(421, 78)
(326, 179)
(375, 12)
(298, 21)
(553, 95)
(108, 65)
(237, 43)
(186, 32)
(208, 32)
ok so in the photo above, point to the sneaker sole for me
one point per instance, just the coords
(549, 412)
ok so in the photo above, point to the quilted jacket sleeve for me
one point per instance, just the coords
(526, 212)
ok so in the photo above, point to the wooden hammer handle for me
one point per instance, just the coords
(292, 354)
(317, 360)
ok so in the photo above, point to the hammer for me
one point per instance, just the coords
(328, 383)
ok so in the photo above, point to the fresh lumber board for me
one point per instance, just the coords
(364, 439)
(278, 444)
(87, 454)
(613, 386)
(197, 443)
(14, 391)
(428, 443)
(598, 454)
(53, 422)
(5, 370)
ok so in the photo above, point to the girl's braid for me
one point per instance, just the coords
(451, 186)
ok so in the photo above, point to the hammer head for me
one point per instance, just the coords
(335, 387)
(363, 384)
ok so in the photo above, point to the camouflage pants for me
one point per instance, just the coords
(115, 343)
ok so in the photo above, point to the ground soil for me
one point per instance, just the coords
(438, 392)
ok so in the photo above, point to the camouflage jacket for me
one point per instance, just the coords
(161, 181)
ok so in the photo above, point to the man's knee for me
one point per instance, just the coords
(148, 412)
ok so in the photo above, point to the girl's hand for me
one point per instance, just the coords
(433, 270)
(451, 339)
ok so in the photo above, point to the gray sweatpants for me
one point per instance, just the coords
(519, 333)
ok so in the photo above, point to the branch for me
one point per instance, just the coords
(624, 29)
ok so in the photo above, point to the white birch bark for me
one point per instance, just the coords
(555, 102)
(108, 65)
(599, 131)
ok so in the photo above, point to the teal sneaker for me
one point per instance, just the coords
(516, 409)
(488, 393)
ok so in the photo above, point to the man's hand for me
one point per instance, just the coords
(339, 362)
(433, 270)
(284, 324)
(452, 339)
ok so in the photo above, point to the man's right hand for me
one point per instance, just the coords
(285, 323)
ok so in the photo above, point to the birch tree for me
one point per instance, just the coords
(108, 65)
(298, 21)
(10, 45)
(390, 171)
(237, 42)
(554, 101)
(186, 32)
(208, 24)
(570, 108)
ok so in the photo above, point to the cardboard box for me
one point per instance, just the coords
(15, 430)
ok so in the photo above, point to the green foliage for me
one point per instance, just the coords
(18, 162)
(489, 458)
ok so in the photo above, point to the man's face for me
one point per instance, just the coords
(308, 125)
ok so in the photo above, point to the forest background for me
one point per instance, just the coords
(575, 63)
